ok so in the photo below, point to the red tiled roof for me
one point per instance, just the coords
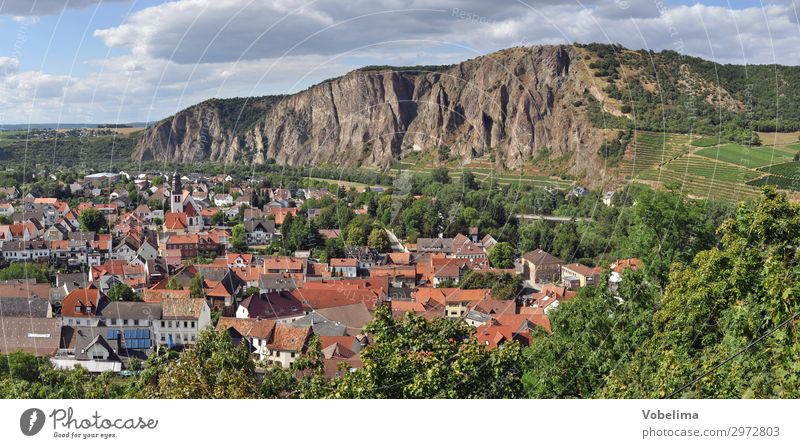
(289, 338)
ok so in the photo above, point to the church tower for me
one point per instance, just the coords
(176, 202)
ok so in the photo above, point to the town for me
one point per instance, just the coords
(149, 268)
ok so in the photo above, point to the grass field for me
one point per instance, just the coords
(749, 157)
(778, 138)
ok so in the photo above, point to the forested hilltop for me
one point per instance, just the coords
(670, 92)
(713, 314)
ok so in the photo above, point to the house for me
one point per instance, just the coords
(343, 267)
(276, 306)
(435, 245)
(181, 321)
(153, 295)
(287, 344)
(80, 306)
(26, 307)
(275, 283)
(35, 250)
(509, 327)
(36, 335)
(259, 232)
(341, 320)
(341, 351)
(578, 275)
(88, 347)
(608, 198)
(223, 200)
(463, 247)
(619, 267)
(289, 265)
(233, 260)
(6, 209)
(541, 267)
(257, 332)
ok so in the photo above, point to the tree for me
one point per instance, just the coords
(92, 220)
(122, 292)
(172, 284)
(238, 239)
(196, 288)
(379, 240)
(502, 255)
(504, 286)
(468, 181)
(213, 368)
(440, 175)
(17, 271)
(591, 335)
(417, 358)
(218, 218)
(719, 303)
(356, 236)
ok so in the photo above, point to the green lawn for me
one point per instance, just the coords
(749, 157)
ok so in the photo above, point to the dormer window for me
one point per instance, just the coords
(78, 309)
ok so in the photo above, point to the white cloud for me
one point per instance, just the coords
(184, 51)
(8, 66)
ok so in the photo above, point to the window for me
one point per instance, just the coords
(97, 356)
(78, 309)
(136, 322)
(125, 321)
(162, 324)
(193, 322)
(293, 353)
(77, 321)
(185, 324)
(163, 337)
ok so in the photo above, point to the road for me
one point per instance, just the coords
(397, 246)
(552, 218)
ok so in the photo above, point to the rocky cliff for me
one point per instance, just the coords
(514, 102)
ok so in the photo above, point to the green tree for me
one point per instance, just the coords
(356, 236)
(238, 239)
(379, 240)
(92, 220)
(172, 284)
(440, 175)
(468, 181)
(17, 271)
(122, 292)
(502, 255)
(419, 358)
(213, 368)
(713, 307)
(196, 288)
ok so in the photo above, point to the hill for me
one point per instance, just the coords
(523, 106)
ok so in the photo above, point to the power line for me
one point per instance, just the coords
(730, 358)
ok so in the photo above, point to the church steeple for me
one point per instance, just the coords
(176, 201)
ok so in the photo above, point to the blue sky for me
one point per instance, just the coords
(123, 60)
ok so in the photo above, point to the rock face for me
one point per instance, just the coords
(514, 103)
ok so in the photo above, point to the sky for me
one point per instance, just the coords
(120, 61)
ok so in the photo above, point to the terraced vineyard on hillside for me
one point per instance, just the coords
(701, 169)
